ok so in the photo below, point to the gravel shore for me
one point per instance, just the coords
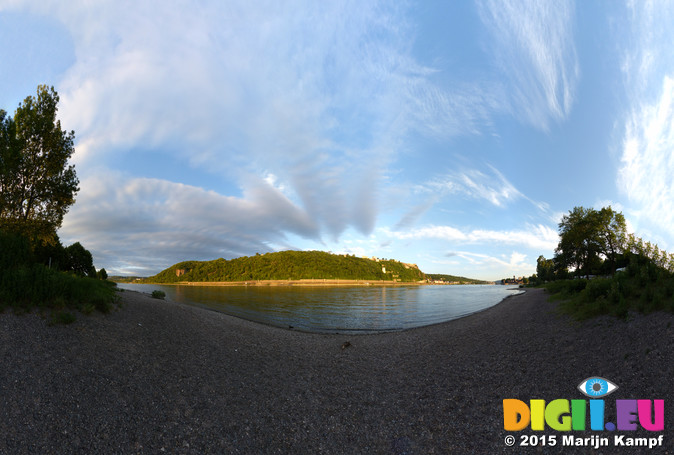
(160, 377)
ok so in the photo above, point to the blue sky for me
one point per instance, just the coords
(450, 134)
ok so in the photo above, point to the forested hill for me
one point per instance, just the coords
(452, 279)
(290, 265)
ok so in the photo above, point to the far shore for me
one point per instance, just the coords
(306, 282)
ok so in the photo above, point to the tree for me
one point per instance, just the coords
(545, 269)
(79, 260)
(37, 186)
(50, 253)
(577, 242)
(612, 235)
(588, 234)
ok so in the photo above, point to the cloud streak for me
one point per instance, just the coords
(533, 45)
(647, 172)
(539, 237)
(646, 175)
(321, 95)
(491, 187)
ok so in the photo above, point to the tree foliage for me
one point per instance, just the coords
(37, 185)
(79, 261)
(26, 282)
(588, 237)
(289, 265)
(595, 242)
(545, 269)
(453, 278)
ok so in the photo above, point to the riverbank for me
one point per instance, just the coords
(157, 376)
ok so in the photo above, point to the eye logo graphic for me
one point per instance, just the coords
(596, 387)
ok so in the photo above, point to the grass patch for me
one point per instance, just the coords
(62, 317)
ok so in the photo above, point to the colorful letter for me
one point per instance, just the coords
(597, 415)
(537, 414)
(626, 410)
(658, 422)
(516, 415)
(578, 414)
(553, 412)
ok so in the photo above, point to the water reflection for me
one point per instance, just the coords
(338, 309)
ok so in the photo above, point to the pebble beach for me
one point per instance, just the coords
(159, 377)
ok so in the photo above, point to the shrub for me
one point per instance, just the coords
(158, 295)
(87, 308)
(566, 287)
(32, 286)
(596, 288)
(621, 310)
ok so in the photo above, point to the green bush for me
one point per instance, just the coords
(37, 286)
(644, 289)
(621, 310)
(599, 287)
(159, 295)
(566, 287)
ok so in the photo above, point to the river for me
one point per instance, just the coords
(339, 309)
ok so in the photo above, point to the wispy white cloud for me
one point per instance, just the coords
(648, 55)
(321, 95)
(533, 45)
(488, 185)
(646, 175)
(492, 187)
(538, 237)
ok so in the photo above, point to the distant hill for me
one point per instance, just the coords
(290, 265)
(453, 279)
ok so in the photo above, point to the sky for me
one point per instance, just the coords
(453, 135)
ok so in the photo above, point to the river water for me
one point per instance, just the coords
(355, 309)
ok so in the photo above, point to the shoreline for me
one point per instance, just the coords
(304, 282)
(159, 376)
(312, 282)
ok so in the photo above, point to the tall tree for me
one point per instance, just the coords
(577, 240)
(545, 269)
(79, 260)
(586, 235)
(612, 234)
(37, 185)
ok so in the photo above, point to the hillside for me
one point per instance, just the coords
(290, 265)
(452, 279)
